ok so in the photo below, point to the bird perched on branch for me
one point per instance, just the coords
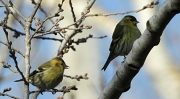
(125, 33)
(48, 75)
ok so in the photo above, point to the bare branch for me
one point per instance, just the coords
(73, 14)
(64, 89)
(28, 48)
(61, 30)
(4, 6)
(12, 13)
(86, 10)
(78, 77)
(12, 55)
(151, 5)
(17, 11)
(34, 11)
(141, 48)
(5, 94)
(40, 26)
(13, 48)
(67, 37)
(6, 65)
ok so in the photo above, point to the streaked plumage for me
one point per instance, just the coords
(48, 75)
(125, 33)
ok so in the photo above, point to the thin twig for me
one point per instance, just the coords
(151, 5)
(78, 77)
(4, 6)
(13, 48)
(48, 38)
(6, 65)
(41, 26)
(78, 22)
(5, 94)
(73, 14)
(59, 30)
(12, 5)
(12, 53)
(42, 10)
(64, 89)
(7, 7)
(28, 48)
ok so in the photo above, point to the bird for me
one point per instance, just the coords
(48, 75)
(124, 35)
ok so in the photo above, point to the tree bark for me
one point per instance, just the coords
(141, 48)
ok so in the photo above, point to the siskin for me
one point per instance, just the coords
(48, 75)
(125, 33)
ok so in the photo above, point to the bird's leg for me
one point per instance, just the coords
(54, 91)
(41, 92)
(124, 59)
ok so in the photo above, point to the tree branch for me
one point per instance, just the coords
(141, 48)
(17, 11)
(28, 48)
(85, 11)
(151, 5)
(7, 7)
(5, 94)
(13, 48)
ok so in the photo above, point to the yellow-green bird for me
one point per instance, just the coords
(125, 33)
(48, 75)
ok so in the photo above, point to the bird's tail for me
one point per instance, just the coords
(18, 80)
(106, 65)
(107, 62)
(110, 58)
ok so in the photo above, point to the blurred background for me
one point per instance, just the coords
(159, 78)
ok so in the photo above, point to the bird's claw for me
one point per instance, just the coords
(54, 91)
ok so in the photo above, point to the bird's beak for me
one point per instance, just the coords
(136, 22)
(66, 67)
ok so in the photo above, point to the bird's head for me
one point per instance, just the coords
(59, 62)
(127, 20)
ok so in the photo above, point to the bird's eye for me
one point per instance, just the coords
(131, 20)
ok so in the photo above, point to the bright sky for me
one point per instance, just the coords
(142, 87)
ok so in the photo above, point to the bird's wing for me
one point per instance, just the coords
(117, 35)
(41, 68)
